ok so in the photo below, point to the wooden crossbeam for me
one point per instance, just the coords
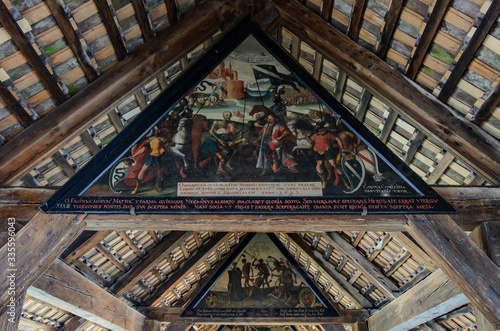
(450, 129)
(414, 146)
(171, 242)
(25, 45)
(433, 18)
(114, 32)
(166, 287)
(37, 245)
(40, 140)
(83, 54)
(142, 14)
(459, 258)
(388, 27)
(356, 19)
(469, 49)
(84, 243)
(364, 102)
(326, 9)
(65, 288)
(434, 296)
(73, 324)
(353, 294)
(171, 314)
(171, 11)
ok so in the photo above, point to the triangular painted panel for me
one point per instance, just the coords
(260, 279)
(247, 130)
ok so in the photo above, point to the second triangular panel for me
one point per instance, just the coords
(260, 280)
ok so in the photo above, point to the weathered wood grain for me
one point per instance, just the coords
(37, 245)
(432, 297)
(459, 258)
(65, 288)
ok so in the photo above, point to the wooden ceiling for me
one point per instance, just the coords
(421, 75)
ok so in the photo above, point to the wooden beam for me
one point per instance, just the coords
(414, 144)
(37, 325)
(188, 266)
(340, 85)
(61, 161)
(433, 18)
(7, 96)
(326, 9)
(132, 243)
(26, 46)
(469, 49)
(171, 314)
(432, 297)
(333, 327)
(171, 242)
(356, 19)
(342, 283)
(450, 129)
(489, 105)
(388, 125)
(65, 288)
(387, 30)
(364, 102)
(171, 11)
(440, 168)
(383, 283)
(85, 243)
(360, 326)
(142, 14)
(52, 131)
(37, 245)
(9, 321)
(73, 37)
(151, 325)
(114, 32)
(459, 258)
(73, 324)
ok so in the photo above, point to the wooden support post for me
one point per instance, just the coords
(455, 132)
(459, 258)
(470, 50)
(432, 297)
(37, 245)
(26, 46)
(433, 19)
(65, 288)
(51, 131)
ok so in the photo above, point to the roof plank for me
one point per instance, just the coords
(44, 137)
(445, 125)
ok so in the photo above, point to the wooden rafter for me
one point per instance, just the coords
(73, 324)
(489, 105)
(326, 9)
(388, 27)
(73, 38)
(171, 314)
(114, 32)
(171, 11)
(171, 242)
(353, 293)
(37, 245)
(363, 264)
(459, 258)
(84, 243)
(49, 79)
(433, 18)
(450, 129)
(43, 138)
(356, 19)
(434, 296)
(65, 288)
(142, 14)
(7, 96)
(187, 267)
(468, 51)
